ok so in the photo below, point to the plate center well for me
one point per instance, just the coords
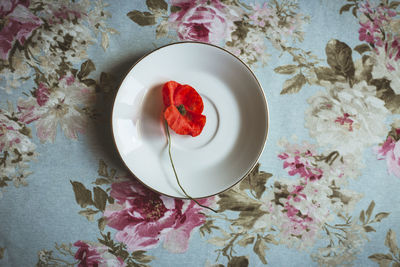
(152, 123)
(186, 142)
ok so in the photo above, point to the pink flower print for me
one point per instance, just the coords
(376, 18)
(298, 210)
(298, 223)
(19, 23)
(370, 33)
(88, 256)
(390, 67)
(144, 218)
(263, 15)
(202, 20)
(390, 150)
(387, 146)
(296, 194)
(8, 134)
(42, 94)
(378, 14)
(96, 255)
(301, 164)
(58, 106)
(392, 49)
(65, 13)
(61, 13)
(291, 211)
(365, 8)
(345, 120)
(187, 4)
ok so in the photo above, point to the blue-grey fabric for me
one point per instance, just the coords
(44, 212)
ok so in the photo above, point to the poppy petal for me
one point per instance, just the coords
(188, 96)
(168, 92)
(190, 123)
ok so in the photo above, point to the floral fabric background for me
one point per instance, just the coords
(325, 191)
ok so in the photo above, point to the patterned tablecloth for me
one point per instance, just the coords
(326, 191)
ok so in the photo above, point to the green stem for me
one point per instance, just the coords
(176, 175)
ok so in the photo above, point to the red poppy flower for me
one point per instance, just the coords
(183, 108)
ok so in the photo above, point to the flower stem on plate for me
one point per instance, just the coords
(176, 175)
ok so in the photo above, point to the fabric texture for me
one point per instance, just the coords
(325, 191)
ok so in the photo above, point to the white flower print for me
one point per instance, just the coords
(386, 67)
(347, 119)
(16, 150)
(58, 106)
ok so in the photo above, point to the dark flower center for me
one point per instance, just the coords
(181, 109)
(3, 22)
(151, 208)
(201, 30)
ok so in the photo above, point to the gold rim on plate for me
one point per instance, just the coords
(259, 86)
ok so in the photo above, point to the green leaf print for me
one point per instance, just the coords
(241, 261)
(294, 84)
(259, 249)
(102, 222)
(83, 196)
(345, 8)
(86, 68)
(381, 259)
(246, 240)
(391, 242)
(362, 48)
(286, 69)
(327, 74)
(339, 58)
(175, 9)
(142, 18)
(255, 182)
(141, 256)
(88, 213)
(370, 210)
(155, 5)
(100, 198)
(386, 93)
(380, 216)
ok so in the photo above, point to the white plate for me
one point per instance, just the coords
(232, 139)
